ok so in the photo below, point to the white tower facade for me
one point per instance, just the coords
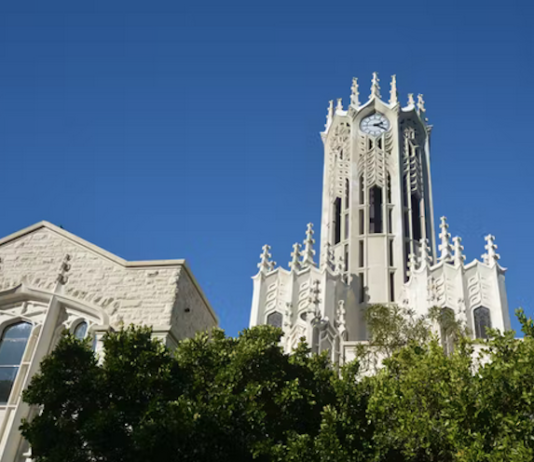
(377, 236)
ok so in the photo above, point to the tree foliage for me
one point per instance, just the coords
(218, 398)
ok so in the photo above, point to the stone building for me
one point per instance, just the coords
(378, 242)
(51, 280)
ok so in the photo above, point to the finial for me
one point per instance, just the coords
(294, 264)
(62, 276)
(445, 246)
(393, 95)
(491, 256)
(266, 264)
(459, 256)
(339, 106)
(341, 321)
(410, 100)
(308, 253)
(329, 114)
(426, 258)
(420, 103)
(355, 94)
(375, 87)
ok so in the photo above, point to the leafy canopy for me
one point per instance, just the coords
(217, 398)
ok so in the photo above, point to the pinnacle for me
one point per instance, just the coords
(426, 258)
(491, 256)
(393, 95)
(459, 256)
(266, 264)
(329, 114)
(328, 261)
(355, 94)
(420, 103)
(308, 252)
(294, 264)
(445, 246)
(375, 86)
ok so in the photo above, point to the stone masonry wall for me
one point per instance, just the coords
(140, 295)
(190, 314)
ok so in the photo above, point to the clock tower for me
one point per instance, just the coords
(378, 243)
(377, 193)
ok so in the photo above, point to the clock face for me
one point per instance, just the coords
(375, 124)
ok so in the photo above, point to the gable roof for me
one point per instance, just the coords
(108, 255)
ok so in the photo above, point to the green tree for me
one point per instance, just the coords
(215, 398)
(242, 399)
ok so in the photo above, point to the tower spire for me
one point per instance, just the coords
(266, 264)
(375, 86)
(445, 246)
(393, 94)
(308, 253)
(459, 256)
(294, 264)
(355, 94)
(491, 256)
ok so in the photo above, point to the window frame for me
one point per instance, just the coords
(4, 328)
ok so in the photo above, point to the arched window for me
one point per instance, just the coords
(275, 319)
(482, 321)
(362, 191)
(347, 193)
(12, 346)
(81, 330)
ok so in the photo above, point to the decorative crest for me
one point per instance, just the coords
(308, 253)
(445, 246)
(411, 102)
(294, 264)
(375, 87)
(426, 257)
(459, 256)
(329, 114)
(266, 264)
(339, 106)
(491, 256)
(420, 103)
(355, 94)
(62, 276)
(393, 94)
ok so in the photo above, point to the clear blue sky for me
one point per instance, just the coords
(191, 129)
